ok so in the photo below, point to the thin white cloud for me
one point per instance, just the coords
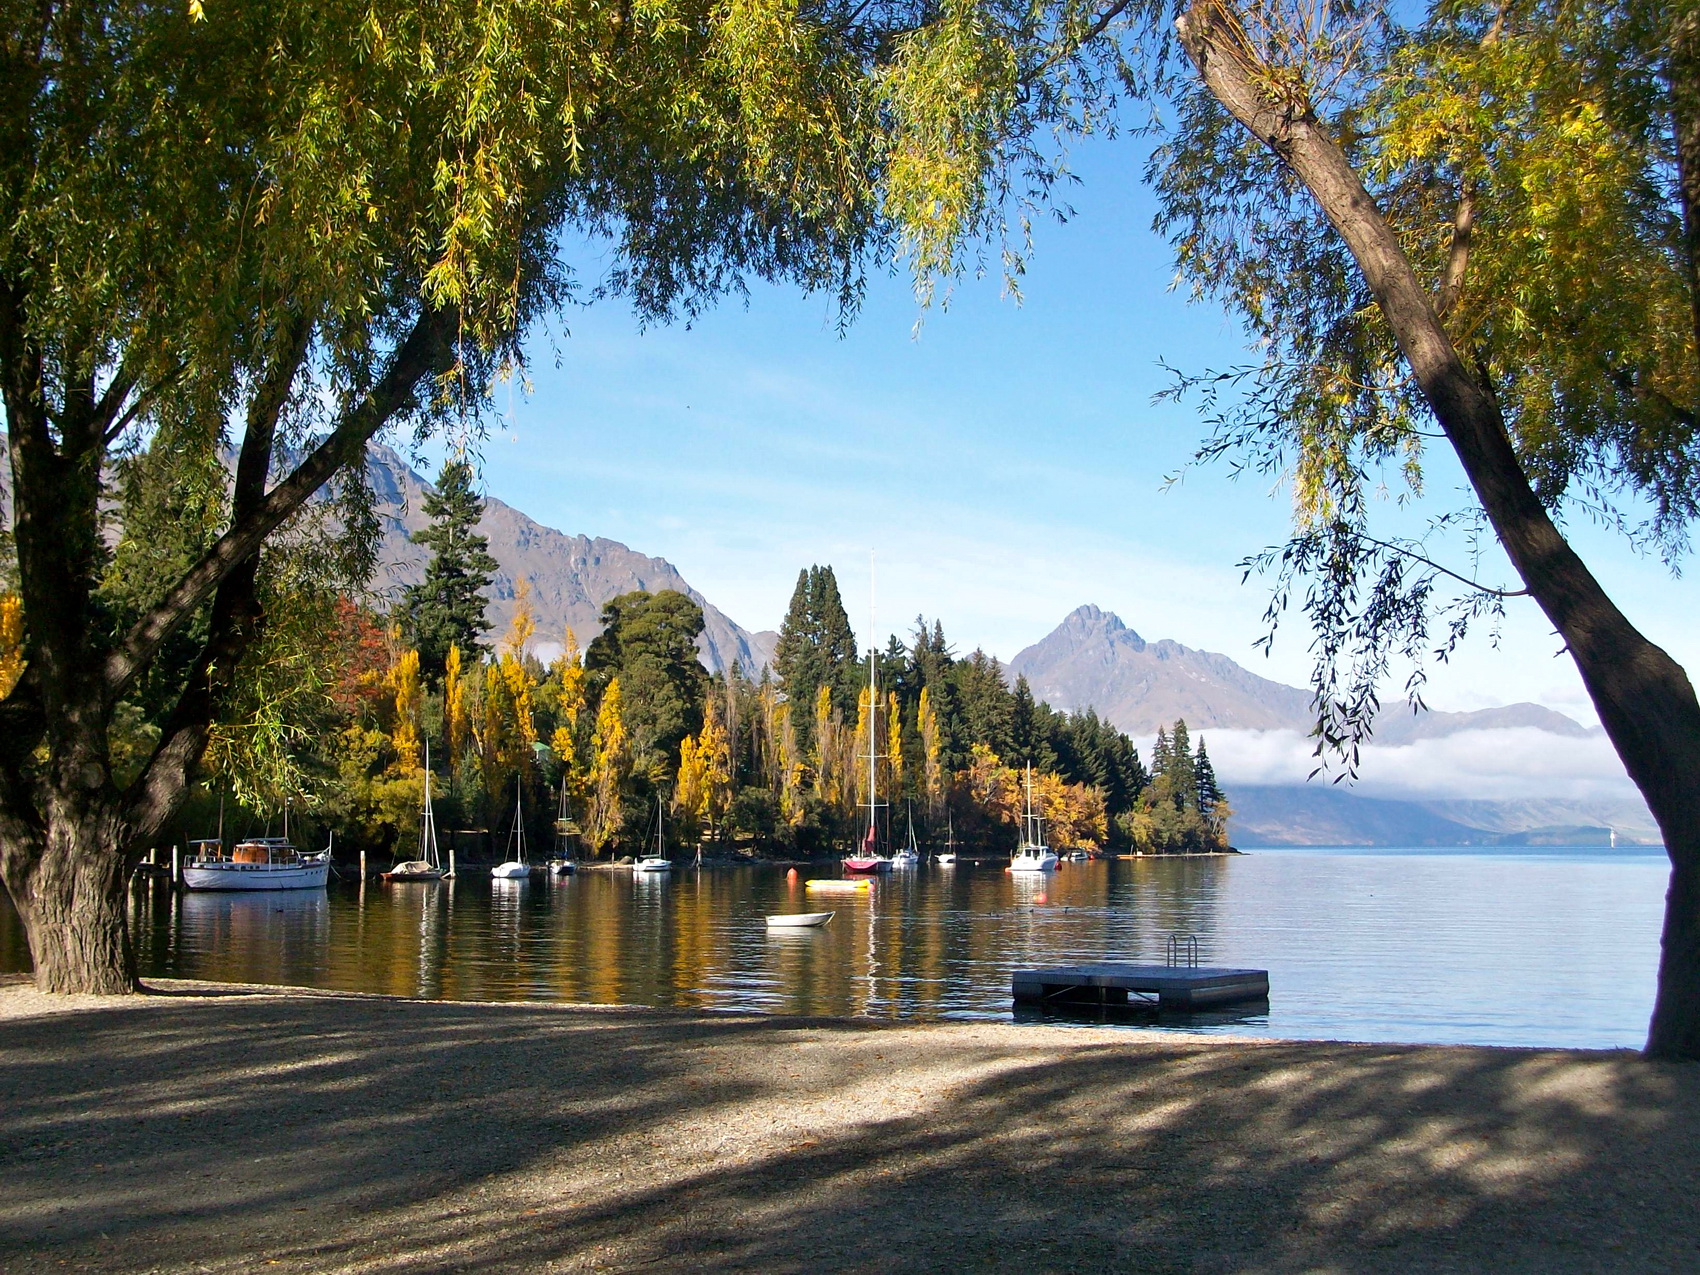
(1495, 765)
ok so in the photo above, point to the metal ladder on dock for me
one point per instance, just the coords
(1182, 949)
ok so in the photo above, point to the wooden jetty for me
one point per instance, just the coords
(1118, 983)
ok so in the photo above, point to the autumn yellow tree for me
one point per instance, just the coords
(409, 701)
(11, 642)
(835, 752)
(893, 751)
(932, 768)
(611, 766)
(457, 724)
(703, 792)
(570, 702)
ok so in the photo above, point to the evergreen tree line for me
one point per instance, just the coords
(590, 744)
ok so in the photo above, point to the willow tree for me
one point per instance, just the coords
(1479, 229)
(268, 231)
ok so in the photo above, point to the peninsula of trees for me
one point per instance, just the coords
(773, 763)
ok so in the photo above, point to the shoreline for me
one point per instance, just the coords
(222, 1127)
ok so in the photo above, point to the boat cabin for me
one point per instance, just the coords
(268, 850)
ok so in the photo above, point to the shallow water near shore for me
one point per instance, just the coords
(1539, 946)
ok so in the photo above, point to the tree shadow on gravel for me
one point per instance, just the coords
(333, 1134)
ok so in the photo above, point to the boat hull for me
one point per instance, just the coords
(837, 885)
(1046, 862)
(798, 920)
(859, 864)
(511, 872)
(256, 876)
(652, 865)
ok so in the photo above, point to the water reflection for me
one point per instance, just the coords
(1383, 947)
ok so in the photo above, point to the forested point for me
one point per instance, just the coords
(773, 765)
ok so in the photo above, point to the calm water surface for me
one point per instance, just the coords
(1549, 946)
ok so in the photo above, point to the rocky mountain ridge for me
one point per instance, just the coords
(570, 576)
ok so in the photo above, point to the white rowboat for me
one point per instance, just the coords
(797, 920)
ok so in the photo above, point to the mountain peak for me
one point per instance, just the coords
(1094, 619)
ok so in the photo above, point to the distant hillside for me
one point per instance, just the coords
(1094, 660)
(1317, 815)
(571, 576)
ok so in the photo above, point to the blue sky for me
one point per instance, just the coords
(1005, 463)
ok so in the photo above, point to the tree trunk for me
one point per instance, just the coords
(72, 904)
(1644, 698)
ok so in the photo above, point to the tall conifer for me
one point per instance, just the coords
(446, 609)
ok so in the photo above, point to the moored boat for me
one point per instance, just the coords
(798, 920)
(658, 861)
(1033, 855)
(515, 868)
(563, 864)
(260, 863)
(910, 855)
(947, 856)
(429, 865)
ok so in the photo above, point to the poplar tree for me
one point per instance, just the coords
(446, 609)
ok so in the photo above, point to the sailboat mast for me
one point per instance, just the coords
(873, 710)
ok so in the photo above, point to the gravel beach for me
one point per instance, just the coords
(202, 1128)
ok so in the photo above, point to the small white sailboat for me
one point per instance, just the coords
(1033, 855)
(909, 856)
(870, 859)
(563, 864)
(798, 920)
(947, 856)
(515, 868)
(429, 865)
(657, 862)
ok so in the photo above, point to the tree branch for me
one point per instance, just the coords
(237, 618)
(1683, 74)
(426, 349)
(1406, 552)
(1458, 256)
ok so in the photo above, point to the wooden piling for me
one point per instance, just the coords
(176, 867)
(362, 865)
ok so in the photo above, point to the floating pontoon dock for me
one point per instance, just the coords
(1118, 983)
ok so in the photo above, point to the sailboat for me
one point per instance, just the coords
(657, 862)
(563, 864)
(870, 860)
(948, 855)
(909, 856)
(1033, 855)
(429, 865)
(515, 868)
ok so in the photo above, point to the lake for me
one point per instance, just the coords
(1547, 946)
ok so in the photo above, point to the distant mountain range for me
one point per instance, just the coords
(571, 577)
(1094, 660)
(1324, 815)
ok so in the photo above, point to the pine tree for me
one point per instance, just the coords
(1204, 780)
(446, 609)
(817, 646)
(1182, 784)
